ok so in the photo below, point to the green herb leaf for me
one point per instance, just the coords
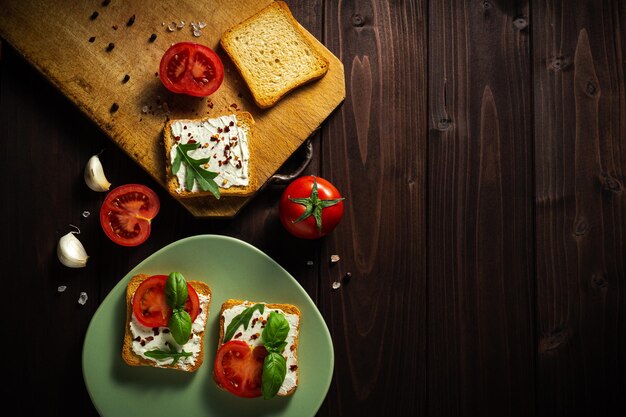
(180, 325)
(161, 354)
(242, 318)
(176, 163)
(195, 171)
(274, 371)
(275, 332)
(176, 291)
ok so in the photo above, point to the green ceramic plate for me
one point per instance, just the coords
(233, 269)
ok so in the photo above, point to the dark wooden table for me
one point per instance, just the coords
(482, 151)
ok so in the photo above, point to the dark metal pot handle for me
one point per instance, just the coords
(281, 179)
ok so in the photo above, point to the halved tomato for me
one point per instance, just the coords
(149, 303)
(126, 214)
(192, 69)
(238, 368)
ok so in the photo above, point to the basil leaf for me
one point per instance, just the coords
(274, 371)
(242, 318)
(275, 331)
(276, 347)
(161, 354)
(176, 291)
(180, 326)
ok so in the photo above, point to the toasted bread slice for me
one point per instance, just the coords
(197, 338)
(273, 54)
(218, 159)
(252, 336)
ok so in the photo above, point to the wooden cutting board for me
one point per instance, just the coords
(68, 43)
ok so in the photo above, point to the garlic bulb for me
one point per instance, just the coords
(71, 252)
(94, 175)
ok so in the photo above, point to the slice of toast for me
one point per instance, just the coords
(273, 54)
(252, 335)
(131, 357)
(228, 149)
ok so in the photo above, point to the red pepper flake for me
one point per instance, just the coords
(137, 339)
(239, 95)
(226, 129)
(214, 155)
(219, 130)
(166, 330)
(155, 330)
(293, 368)
(239, 164)
(292, 348)
(191, 141)
(92, 39)
(156, 74)
(185, 127)
(131, 21)
(210, 104)
(114, 27)
(149, 339)
(219, 163)
(254, 321)
(177, 138)
(233, 105)
(143, 343)
(231, 123)
(255, 336)
(94, 15)
(238, 335)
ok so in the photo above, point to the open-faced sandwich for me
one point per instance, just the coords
(210, 156)
(258, 349)
(166, 319)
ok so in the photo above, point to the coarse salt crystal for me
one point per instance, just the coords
(336, 285)
(201, 25)
(86, 214)
(171, 26)
(181, 24)
(82, 299)
(61, 288)
(334, 258)
(144, 109)
(197, 33)
(309, 263)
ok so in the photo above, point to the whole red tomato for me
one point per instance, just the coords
(310, 207)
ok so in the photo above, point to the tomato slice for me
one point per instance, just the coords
(127, 212)
(192, 69)
(150, 307)
(238, 368)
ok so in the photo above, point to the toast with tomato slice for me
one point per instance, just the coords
(139, 338)
(224, 146)
(252, 334)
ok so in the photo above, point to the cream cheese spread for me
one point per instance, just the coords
(252, 336)
(221, 141)
(152, 338)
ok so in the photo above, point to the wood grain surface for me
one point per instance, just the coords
(481, 148)
(580, 138)
(480, 212)
(87, 49)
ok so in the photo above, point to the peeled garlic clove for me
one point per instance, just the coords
(94, 175)
(71, 252)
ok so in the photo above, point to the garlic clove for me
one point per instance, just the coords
(94, 175)
(71, 252)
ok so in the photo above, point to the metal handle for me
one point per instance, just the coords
(286, 178)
